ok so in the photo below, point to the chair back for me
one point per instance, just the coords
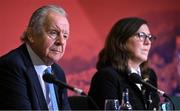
(82, 103)
(79, 102)
(176, 101)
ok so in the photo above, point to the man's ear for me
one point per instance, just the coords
(30, 35)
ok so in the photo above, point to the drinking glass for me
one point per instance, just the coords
(166, 106)
(112, 104)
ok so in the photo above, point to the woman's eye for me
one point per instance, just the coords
(143, 36)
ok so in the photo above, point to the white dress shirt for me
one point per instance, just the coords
(39, 66)
(137, 71)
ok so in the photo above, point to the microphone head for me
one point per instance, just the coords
(135, 78)
(48, 78)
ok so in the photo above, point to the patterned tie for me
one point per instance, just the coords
(50, 94)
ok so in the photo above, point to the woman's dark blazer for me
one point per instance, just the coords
(107, 83)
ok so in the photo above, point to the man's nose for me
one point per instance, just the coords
(60, 40)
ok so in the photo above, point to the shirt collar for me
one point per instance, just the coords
(34, 57)
(137, 71)
(39, 65)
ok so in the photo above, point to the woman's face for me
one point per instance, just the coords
(139, 44)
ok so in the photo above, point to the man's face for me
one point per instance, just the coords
(50, 45)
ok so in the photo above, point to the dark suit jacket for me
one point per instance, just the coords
(19, 84)
(107, 83)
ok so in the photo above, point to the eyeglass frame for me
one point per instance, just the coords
(142, 36)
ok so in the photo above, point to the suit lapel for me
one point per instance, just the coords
(141, 93)
(34, 81)
(136, 89)
(37, 88)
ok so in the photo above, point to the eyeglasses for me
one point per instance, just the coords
(142, 36)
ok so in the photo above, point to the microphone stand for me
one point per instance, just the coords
(137, 79)
(173, 106)
(160, 92)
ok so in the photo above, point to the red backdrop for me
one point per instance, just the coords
(90, 22)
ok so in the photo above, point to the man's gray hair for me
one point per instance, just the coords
(38, 17)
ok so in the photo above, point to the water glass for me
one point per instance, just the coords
(166, 106)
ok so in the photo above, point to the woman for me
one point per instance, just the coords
(126, 51)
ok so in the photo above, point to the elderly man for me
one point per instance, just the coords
(21, 70)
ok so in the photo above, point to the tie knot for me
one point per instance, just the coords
(48, 70)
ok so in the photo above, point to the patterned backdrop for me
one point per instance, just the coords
(90, 22)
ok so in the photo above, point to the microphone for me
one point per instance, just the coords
(51, 79)
(137, 79)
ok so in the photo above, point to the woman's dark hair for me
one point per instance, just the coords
(115, 52)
